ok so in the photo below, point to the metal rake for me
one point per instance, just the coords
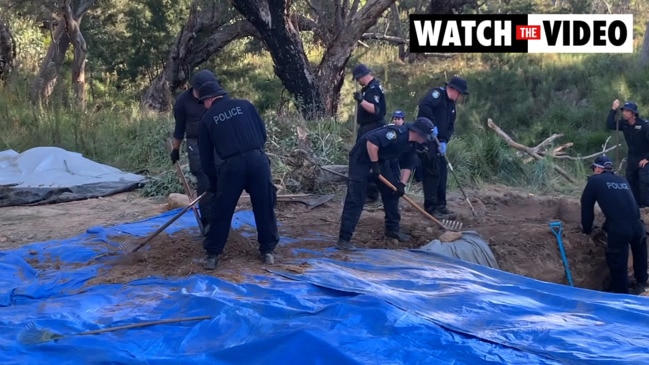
(130, 247)
(447, 224)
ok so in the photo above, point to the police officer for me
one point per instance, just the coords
(234, 129)
(399, 118)
(187, 114)
(371, 156)
(371, 101)
(439, 106)
(371, 111)
(636, 134)
(623, 224)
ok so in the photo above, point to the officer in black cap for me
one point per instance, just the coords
(234, 129)
(371, 101)
(623, 224)
(371, 155)
(439, 106)
(636, 134)
(187, 114)
(370, 111)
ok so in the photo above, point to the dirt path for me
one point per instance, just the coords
(515, 224)
(26, 224)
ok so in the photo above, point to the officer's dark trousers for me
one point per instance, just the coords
(202, 181)
(638, 179)
(248, 171)
(372, 188)
(357, 193)
(620, 235)
(434, 180)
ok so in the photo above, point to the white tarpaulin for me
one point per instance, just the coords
(52, 174)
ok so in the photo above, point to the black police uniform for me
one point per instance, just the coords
(637, 140)
(623, 226)
(437, 107)
(234, 129)
(187, 114)
(393, 142)
(372, 93)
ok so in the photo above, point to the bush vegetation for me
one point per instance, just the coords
(529, 96)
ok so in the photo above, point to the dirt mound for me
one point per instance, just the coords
(517, 229)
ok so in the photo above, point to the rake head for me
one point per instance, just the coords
(34, 334)
(129, 247)
(452, 225)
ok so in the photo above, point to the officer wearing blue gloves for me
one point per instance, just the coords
(623, 224)
(234, 130)
(636, 135)
(439, 106)
(371, 156)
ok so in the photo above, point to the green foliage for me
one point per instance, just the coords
(528, 96)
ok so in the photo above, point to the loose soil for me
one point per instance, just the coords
(515, 224)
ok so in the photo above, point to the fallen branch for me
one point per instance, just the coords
(573, 158)
(527, 150)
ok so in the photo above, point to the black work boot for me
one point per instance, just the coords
(345, 245)
(401, 237)
(441, 212)
(638, 289)
(268, 258)
(209, 262)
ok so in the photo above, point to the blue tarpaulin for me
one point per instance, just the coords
(374, 307)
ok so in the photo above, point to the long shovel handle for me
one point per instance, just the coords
(188, 190)
(457, 181)
(168, 223)
(413, 203)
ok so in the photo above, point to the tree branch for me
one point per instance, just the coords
(383, 37)
(528, 150)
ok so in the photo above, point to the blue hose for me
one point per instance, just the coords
(556, 228)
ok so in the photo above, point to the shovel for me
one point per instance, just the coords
(446, 224)
(130, 247)
(188, 191)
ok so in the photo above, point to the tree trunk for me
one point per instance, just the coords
(80, 52)
(188, 52)
(644, 53)
(394, 11)
(7, 49)
(43, 85)
(272, 20)
(331, 71)
(67, 31)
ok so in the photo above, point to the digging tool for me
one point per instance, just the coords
(188, 190)
(557, 229)
(130, 247)
(450, 167)
(446, 224)
(32, 334)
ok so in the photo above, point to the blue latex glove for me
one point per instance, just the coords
(442, 148)
(435, 132)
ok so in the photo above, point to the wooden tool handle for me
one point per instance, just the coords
(413, 203)
(169, 222)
